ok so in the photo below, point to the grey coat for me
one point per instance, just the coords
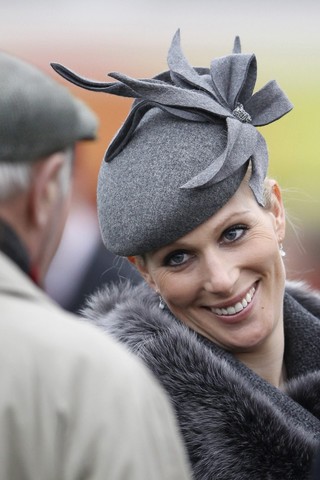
(235, 425)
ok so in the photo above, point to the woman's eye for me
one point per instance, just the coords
(234, 233)
(177, 258)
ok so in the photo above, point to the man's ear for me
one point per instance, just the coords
(44, 189)
(277, 210)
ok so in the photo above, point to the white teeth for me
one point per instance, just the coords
(238, 307)
(231, 310)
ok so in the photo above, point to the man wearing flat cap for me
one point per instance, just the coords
(74, 405)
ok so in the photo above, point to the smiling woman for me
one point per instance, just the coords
(183, 190)
(225, 279)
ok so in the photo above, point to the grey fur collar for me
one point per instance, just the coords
(235, 425)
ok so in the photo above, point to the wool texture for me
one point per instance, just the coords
(38, 116)
(184, 147)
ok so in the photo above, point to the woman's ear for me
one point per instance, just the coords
(277, 210)
(141, 265)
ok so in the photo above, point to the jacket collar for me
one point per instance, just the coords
(12, 246)
(13, 281)
(302, 333)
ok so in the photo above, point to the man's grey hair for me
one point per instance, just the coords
(15, 178)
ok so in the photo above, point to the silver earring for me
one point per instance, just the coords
(282, 252)
(161, 303)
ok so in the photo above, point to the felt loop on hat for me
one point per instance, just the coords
(72, 77)
(234, 78)
(259, 169)
(241, 143)
(236, 45)
(267, 105)
(172, 95)
(182, 73)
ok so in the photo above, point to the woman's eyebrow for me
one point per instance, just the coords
(183, 244)
(229, 218)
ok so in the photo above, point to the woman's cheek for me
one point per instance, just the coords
(179, 291)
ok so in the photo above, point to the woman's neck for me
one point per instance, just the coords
(267, 361)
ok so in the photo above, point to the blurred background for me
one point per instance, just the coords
(99, 36)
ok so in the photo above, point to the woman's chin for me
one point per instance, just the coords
(247, 343)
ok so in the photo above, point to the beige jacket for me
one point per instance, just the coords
(73, 404)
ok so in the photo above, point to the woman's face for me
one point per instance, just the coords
(225, 279)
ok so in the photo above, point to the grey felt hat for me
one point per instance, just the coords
(184, 149)
(38, 116)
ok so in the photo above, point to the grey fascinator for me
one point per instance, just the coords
(184, 148)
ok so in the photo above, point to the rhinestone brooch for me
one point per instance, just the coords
(240, 113)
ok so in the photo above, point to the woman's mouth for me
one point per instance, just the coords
(238, 306)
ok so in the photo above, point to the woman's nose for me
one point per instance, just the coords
(220, 274)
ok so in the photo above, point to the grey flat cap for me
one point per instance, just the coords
(184, 149)
(38, 116)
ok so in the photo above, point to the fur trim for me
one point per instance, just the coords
(232, 429)
(305, 295)
(305, 390)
